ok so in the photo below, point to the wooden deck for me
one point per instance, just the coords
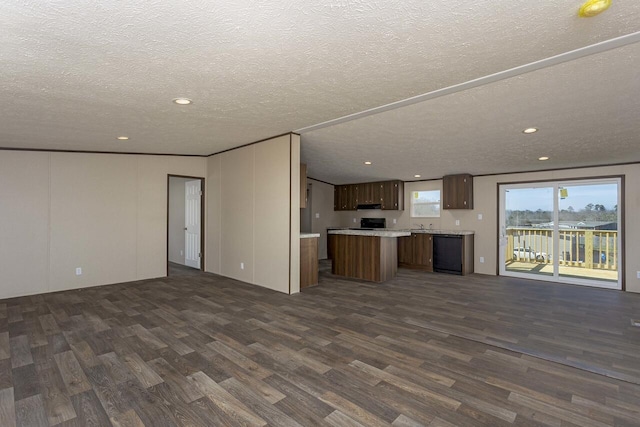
(423, 349)
(577, 272)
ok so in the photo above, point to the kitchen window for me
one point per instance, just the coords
(425, 204)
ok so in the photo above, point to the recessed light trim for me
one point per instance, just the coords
(530, 130)
(592, 8)
(543, 158)
(122, 138)
(417, 176)
(182, 101)
(367, 163)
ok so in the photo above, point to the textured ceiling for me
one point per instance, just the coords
(587, 112)
(77, 74)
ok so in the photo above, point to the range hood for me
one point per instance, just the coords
(368, 206)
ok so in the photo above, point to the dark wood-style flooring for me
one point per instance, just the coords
(196, 349)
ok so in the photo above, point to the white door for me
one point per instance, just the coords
(192, 223)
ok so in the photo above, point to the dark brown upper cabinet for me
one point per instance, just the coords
(393, 195)
(388, 194)
(340, 198)
(457, 191)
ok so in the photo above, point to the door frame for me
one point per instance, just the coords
(621, 210)
(202, 199)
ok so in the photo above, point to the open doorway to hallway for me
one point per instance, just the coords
(185, 224)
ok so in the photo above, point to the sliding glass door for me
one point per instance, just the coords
(562, 231)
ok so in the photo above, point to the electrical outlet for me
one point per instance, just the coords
(481, 260)
(638, 274)
(79, 271)
(242, 266)
(395, 221)
(317, 215)
(354, 220)
(479, 217)
(457, 222)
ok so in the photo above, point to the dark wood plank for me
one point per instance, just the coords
(57, 404)
(147, 376)
(5, 349)
(20, 351)
(90, 411)
(420, 349)
(30, 412)
(72, 374)
(7, 408)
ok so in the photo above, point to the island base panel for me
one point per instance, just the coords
(370, 258)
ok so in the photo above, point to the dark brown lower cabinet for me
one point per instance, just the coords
(308, 262)
(415, 251)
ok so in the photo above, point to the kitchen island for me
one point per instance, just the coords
(365, 254)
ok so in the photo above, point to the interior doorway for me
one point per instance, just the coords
(305, 213)
(185, 223)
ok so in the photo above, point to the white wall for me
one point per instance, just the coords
(105, 213)
(486, 203)
(249, 219)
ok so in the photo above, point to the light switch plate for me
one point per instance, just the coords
(457, 222)
(317, 215)
(394, 221)
(79, 271)
(481, 260)
(479, 217)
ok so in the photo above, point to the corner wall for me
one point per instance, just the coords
(105, 213)
(249, 205)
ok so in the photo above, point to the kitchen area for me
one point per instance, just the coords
(367, 231)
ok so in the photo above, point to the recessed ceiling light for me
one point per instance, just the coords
(416, 176)
(543, 158)
(367, 163)
(530, 130)
(593, 7)
(182, 101)
(123, 138)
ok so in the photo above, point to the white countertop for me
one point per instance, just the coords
(454, 232)
(309, 235)
(414, 230)
(372, 233)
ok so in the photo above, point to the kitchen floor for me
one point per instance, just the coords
(423, 349)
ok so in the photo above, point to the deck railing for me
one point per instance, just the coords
(578, 248)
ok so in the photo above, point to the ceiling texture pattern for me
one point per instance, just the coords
(75, 75)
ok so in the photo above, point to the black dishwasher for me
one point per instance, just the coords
(447, 253)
